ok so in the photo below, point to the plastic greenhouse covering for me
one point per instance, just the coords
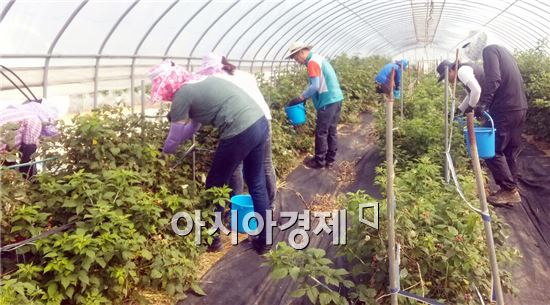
(68, 47)
(84, 54)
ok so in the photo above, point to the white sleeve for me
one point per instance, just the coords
(464, 103)
(467, 77)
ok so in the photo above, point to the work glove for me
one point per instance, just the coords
(295, 101)
(478, 112)
(396, 94)
(468, 109)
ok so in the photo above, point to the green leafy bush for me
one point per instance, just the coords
(311, 269)
(534, 65)
(442, 242)
(538, 118)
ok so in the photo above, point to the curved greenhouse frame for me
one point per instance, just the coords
(91, 46)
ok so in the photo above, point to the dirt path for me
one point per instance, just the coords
(239, 278)
(530, 229)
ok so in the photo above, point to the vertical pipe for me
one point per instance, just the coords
(484, 209)
(142, 109)
(389, 192)
(445, 163)
(194, 165)
(409, 73)
(142, 99)
(96, 80)
(401, 90)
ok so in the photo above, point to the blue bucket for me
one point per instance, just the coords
(243, 205)
(296, 114)
(485, 139)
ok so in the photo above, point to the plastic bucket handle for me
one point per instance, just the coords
(486, 114)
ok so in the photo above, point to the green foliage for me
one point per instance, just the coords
(122, 238)
(443, 249)
(356, 76)
(534, 65)
(108, 138)
(120, 194)
(313, 273)
(538, 118)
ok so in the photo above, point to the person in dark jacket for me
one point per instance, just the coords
(503, 96)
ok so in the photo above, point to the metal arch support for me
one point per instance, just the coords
(284, 34)
(299, 37)
(534, 13)
(277, 31)
(235, 23)
(104, 43)
(513, 42)
(457, 6)
(492, 28)
(352, 44)
(184, 26)
(316, 45)
(517, 41)
(265, 29)
(54, 43)
(341, 22)
(318, 28)
(360, 29)
(357, 29)
(208, 29)
(384, 21)
(6, 10)
(132, 69)
(367, 22)
(252, 26)
(469, 20)
(357, 21)
(335, 48)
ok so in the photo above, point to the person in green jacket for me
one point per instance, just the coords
(324, 90)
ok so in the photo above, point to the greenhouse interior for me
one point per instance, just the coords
(274, 152)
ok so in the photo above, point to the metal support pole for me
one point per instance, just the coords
(401, 91)
(142, 99)
(142, 109)
(194, 165)
(445, 163)
(389, 192)
(484, 209)
(132, 85)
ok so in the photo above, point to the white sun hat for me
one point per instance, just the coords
(296, 46)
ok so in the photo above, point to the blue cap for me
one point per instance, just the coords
(403, 62)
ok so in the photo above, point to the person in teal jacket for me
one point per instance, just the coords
(324, 90)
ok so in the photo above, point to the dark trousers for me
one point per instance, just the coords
(326, 140)
(27, 151)
(503, 166)
(248, 148)
(383, 88)
(236, 182)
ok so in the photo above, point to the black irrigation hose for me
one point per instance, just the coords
(15, 85)
(42, 235)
